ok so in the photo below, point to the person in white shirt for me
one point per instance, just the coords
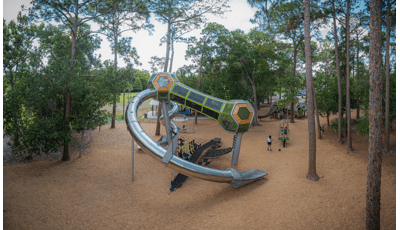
(269, 143)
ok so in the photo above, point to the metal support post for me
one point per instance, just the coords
(133, 151)
(236, 148)
(167, 123)
(172, 142)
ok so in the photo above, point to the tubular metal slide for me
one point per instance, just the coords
(234, 116)
(272, 109)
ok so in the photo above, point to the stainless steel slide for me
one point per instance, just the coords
(147, 144)
(272, 109)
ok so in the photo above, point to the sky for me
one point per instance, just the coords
(148, 46)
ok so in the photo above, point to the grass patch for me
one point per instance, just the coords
(118, 115)
(129, 96)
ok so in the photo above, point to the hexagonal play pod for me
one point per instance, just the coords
(163, 82)
(242, 113)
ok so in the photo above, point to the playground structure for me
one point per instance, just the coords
(300, 109)
(282, 109)
(284, 132)
(234, 116)
(271, 111)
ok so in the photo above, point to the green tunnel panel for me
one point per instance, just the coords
(213, 107)
(226, 120)
(162, 95)
(196, 100)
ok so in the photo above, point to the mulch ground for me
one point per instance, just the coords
(97, 191)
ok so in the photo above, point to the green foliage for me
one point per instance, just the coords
(140, 79)
(363, 125)
(335, 126)
(392, 98)
(137, 85)
(133, 15)
(34, 108)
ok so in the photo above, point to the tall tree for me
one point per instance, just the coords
(73, 14)
(156, 63)
(125, 16)
(359, 30)
(387, 69)
(40, 93)
(375, 118)
(316, 112)
(181, 15)
(204, 48)
(312, 164)
(287, 19)
(252, 56)
(348, 108)
(17, 45)
(340, 141)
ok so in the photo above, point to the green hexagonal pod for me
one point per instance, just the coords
(244, 113)
(162, 82)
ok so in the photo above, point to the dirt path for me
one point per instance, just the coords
(96, 191)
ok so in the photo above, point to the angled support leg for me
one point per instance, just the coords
(172, 142)
(237, 141)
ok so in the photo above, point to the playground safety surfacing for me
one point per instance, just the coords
(96, 191)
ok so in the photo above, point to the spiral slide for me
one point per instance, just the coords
(163, 83)
(272, 109)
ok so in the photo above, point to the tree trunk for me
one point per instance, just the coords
(326, 87)
(123, 104)
(316, 114)
(165, 70)
(358, 81)
(348, 108)
(340, 141)
(66, 156)
(172, 54)
(387, 66)
(312, 167)
(294, 76)
(116, 68)
(373, 195)
(82, 139)
(168, 46)
(198, 84)
(158, 120)
(270, 97)
(253, 86)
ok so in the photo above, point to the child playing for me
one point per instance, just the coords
(269, 143)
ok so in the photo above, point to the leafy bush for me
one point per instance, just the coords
(335, 125)
(363, 126)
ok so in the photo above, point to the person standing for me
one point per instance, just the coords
(269, 144)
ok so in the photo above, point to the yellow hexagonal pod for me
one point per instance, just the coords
(163, 82)
(242, 113)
